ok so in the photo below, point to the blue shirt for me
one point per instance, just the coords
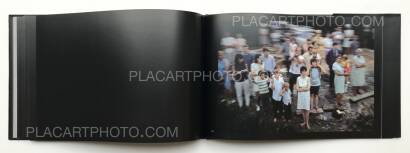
(278, 84)
(315, 76)
(269, 63)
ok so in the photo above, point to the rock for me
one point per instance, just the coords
(365, 108)
(329, 107)
(361, 96)
(321, 117)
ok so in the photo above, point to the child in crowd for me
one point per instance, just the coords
(256, 67)
(347, 68)
(287, 101)
(276, 86)
(263, 89)
(315, 75)
(303, 88)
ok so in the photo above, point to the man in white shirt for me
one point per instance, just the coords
(268, 62)
(228, 43)
(348, 34)
(328, 42)
(240, 42)
(338, 35)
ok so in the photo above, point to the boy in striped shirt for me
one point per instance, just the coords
(263, 89)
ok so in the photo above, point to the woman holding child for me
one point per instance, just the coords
(339, 80)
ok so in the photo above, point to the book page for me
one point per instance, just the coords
(297, 76)
(114, 76)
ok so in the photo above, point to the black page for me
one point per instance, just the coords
(227, 121)
(74, 72)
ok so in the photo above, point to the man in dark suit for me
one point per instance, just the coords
(330, 59)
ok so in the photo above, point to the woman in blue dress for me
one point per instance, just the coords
(339, 80)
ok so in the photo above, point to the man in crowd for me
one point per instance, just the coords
(330, 59)
(228, 43)
(268, 62)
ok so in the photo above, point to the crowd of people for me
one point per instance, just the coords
(258, 76)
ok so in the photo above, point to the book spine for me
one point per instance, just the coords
(22, 74)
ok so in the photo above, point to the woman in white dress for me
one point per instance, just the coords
(358, 75)
(256, 67)
(339, 80)
(303, 88)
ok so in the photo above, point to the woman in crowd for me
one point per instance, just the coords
(339, 80)
(240, 73)
(358, 74)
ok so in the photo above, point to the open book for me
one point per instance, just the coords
(165, 75)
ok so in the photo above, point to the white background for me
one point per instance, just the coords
(209, 7)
